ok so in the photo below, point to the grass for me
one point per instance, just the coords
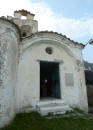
(34, 121)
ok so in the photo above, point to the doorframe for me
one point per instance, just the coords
(60, 62)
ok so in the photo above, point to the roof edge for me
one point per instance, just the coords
(16, 26)
(24, 12)
(76, 43)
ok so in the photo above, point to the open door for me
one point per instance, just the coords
(49, 80)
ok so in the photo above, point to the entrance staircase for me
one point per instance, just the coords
(52, 106)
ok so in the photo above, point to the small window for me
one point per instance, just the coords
(49, 50)
(24, 34)
(23, 17)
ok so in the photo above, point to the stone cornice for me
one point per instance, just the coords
(59, 36)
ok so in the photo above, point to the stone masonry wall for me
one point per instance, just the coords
(8, 71)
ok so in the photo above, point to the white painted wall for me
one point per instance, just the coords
(33, 51)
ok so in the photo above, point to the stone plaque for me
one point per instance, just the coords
(69, 79)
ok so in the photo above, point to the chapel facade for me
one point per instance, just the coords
(41, 71)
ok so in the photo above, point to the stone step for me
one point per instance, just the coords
(55, 109)
(50, 102)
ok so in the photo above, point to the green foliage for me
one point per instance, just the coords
(34, 121)
(78, 110)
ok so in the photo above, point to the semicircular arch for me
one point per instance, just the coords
(37, 42)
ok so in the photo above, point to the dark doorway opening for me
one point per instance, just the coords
(49, 80)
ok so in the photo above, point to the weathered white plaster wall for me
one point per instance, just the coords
(20, 75)
(69, 57)
(8, 70)
(31, 23)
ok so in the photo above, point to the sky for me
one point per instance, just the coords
(73, 18)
